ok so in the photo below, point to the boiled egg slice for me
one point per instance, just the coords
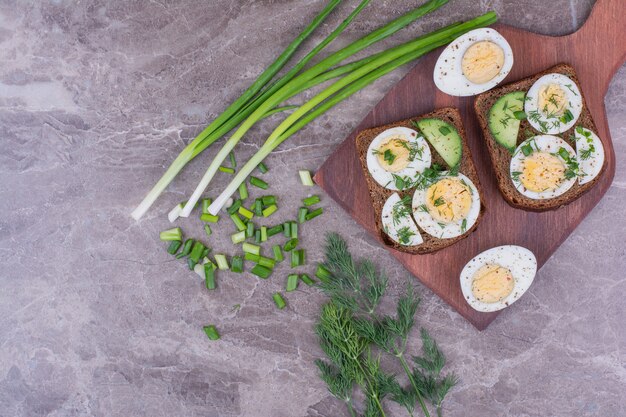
(397, 153)
(553, 104)
(543, 167)
(590, 154)
(497, 277)
(398, 223)
(447, 207)
(473, 63)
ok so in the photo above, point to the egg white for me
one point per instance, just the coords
(588, 168)
(519, 260)
(543, 143)
(417, 165)
(552, 124)
(448, 73)
(391, 228)
(445, 231)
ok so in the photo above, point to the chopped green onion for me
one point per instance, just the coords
(171, 234)
(292, 282)
(263, 233)
(298, 258)
(249, 229)
(206, 202)
(258, 207)
(291, 244)
(309, 201)
(186, 248)
(274, 230)
(257, 236)
(245, 212)
(221, 261)
(174, 246)
(287, 229)
(207, 230)
(314, 213)
(205, 253)
(305, 177)
(175, 212)
(279, 300)
(293, 229)
(197, 251)
(250, 248)
(243, 191)
(233, 162)
(266, 262)
(268, 199)
(236, 264)
(278, 253)
(323, 274)
(262, 167)
(302, 212)
(251, 257)
(227, 170)
(211, 332)
(258, 182)
(240, 225)
(269, 210)
(306, 279)
(238, 237)
(191, 264)
(234, 207)
(209, 276)
(261, 271)
(206, 217)
(520, 115)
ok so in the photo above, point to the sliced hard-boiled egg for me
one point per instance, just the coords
(398, 152)
(473, 63)
(553, 104)
(398, 223)
(590, 154)
(543, 167)
(447, 207)
(497, 277)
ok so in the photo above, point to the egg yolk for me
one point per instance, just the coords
(542, 171)
(393, 155)
(449, 200)
(492, 283)
(482, 62)
(552, 100)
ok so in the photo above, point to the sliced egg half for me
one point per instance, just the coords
(497, 277)
(398, 223)
(473, 63)
(543, 167)
(398, 152)
(590, 154)
(448, 207)
(553, 104)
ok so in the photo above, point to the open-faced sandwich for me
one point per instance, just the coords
(422, 181)
(542, 140)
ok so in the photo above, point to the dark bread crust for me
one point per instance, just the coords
(379, 194)
(501, 158)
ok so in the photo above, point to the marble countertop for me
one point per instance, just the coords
(97, 97)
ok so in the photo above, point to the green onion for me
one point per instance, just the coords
(298, 258)
(174, 246)
(243, 191)
(290, 245)
(240, 225)
(309, 201)
(236, 264)
(250, 248)
(258, 207)
(221, 261)
(191, 264)
(520, 115)
(305, 178)
(209, 276)
(314, 213)
(302, 212)
(261, 271)
(234, 207)
(207, 217)
(279, 300)
(263, 233)
(205, 253)
(186, 248)
(262, 168)
(293, 229)
(171, 234)
(258, 182)
(287, 229)
(292, 282)
(268, 200)
(278, 253)
(307, 279)
(233, 162)
(238, 237)
(175, 212)
(206, 202)
(257, 236)
(211, 332)
(266, 262)
(251, 257)
(274, 230)
(323, 274)
(197, 251)
(249, 229)
(227, 170)
(269, 210)
(246, 213)
(207, 230)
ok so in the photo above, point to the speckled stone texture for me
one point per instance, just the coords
(96, 319)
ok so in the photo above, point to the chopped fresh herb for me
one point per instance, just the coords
(309, 201)
(238, 237)
(389, 157)
(261, 271)
(278, 253)
(174, 246)
(463, 225)
(401, 209)
(423, 208)
(279, 300)
(292, 282)
(263, 233)
(439, 202)
(305, 178)
(269, 210)
(243, 191)
(171, 234)
(211, 332)
(233, 162)
(515, 176)
(444, 130)
(302, 212)
(249, 230)
(258, 182)
(290, 245)
(197, 251)
(239, 224)
(298, 258)
(186, 248)
(306, 279)
(323, 273)
(206, 202)
(250, 248)
(221, 261)
(236, 264)
(405, 234)
(262, 167)
(274, 230)
(520, 115)
(567, 117)
(246, 213)
(313, 214)
(209, 275)
(234, 207)
(227, 170)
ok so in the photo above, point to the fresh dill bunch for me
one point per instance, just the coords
(339, 384)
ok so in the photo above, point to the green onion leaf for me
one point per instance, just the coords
(171, 234)
(249, 230)
(245, 212)
(287, 229)
(207, 230)
(233, 162)
(221, 261)
(197, 251)
(309, 201)
(251, 257)
(519, 115)
(234, 207)
(209, 275)
(269, 210)
(290, 245)
(305, 178)
(243, 191)
(307, 279)
(206, 202)
(227, 170)
(211, 332)
(278, 253)
(293, 229)
(261, 271)
(238, 237)
(279, 300)
(263, 233)
(174, 246)
(250, 248)
(236, 264)
(444, 130)
(258, 207)
(298, 258)
(268, 200)
(239, 224)
(257, 236)
(186, 248)
(262, 167)
(302, 212)
(323, 274)
(266, 262)
(274, 230)
(191, 264)
(292, 282)
(258, 182)
(314, 213)
(209, 218)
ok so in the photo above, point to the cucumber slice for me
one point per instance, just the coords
(444, 138)
(504, 119)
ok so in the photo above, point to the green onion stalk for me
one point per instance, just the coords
(306, 78)
(344, 88)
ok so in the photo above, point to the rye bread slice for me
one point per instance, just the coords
(379, 194)
(501, 157)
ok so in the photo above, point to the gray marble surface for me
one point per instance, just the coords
(96, 319)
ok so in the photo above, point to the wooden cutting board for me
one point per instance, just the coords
(596, 51)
